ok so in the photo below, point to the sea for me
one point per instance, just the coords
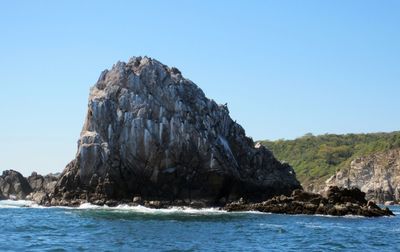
(28, 227)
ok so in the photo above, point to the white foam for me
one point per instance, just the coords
(349, 216)
(143, 209)
(126, 208)
(16, 203)
(89, 206)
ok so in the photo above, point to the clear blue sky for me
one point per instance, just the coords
(285, 68)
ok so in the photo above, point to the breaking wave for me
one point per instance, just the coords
(123, 207)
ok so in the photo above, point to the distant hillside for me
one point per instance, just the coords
(316, 158)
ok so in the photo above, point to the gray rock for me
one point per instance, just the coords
(37, 197)
(378, 175)
(41, 183)
(42, 187)
(137, 200)
(36, 187)
(13, 185)
(149, 132)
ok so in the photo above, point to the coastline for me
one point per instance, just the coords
(137, 208)
(338, 202)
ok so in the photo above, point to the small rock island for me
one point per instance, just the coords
(152, 137)
(152, 134)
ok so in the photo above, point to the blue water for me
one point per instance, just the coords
(141, 229)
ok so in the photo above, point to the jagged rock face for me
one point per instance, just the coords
(13, 185)
(150, 132)
(378, 175)
(42, 187)
(40, 183)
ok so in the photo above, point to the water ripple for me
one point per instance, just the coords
(27, 227)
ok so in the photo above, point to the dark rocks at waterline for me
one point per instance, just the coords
(339, 202)
(150, 132)
(42, 187)
(13, 185)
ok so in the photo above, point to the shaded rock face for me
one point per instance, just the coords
(13, 185)
(377, 175)
(42, 183)
(42, 187)
(339, 202)
(36, 187)
(149, 132)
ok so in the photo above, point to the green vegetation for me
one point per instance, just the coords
(316, 158)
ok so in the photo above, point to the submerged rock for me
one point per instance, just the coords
(153, 134)
(13, 185)
(339, 202)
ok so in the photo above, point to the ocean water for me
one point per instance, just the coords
(28, 227)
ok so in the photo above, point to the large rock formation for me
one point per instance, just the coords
(13, 185)
(378, 175)
(153, 134)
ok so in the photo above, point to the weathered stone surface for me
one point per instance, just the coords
(36, 187)
(378, 175)
(13, 185)
(42, 187)
(153, 134)
(42, 183)
(339, 202)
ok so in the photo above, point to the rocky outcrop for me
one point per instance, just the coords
(42, 183)
(339, 202)
(36, 187)
(42, 187)
(378, 175)
(153, 134)
(13, 185)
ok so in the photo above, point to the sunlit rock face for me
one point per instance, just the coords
(149, 132)
(378, 175)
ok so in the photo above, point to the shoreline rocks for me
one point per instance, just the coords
(42, 187)
(377, 175)
(14, 186)
(339, 202)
